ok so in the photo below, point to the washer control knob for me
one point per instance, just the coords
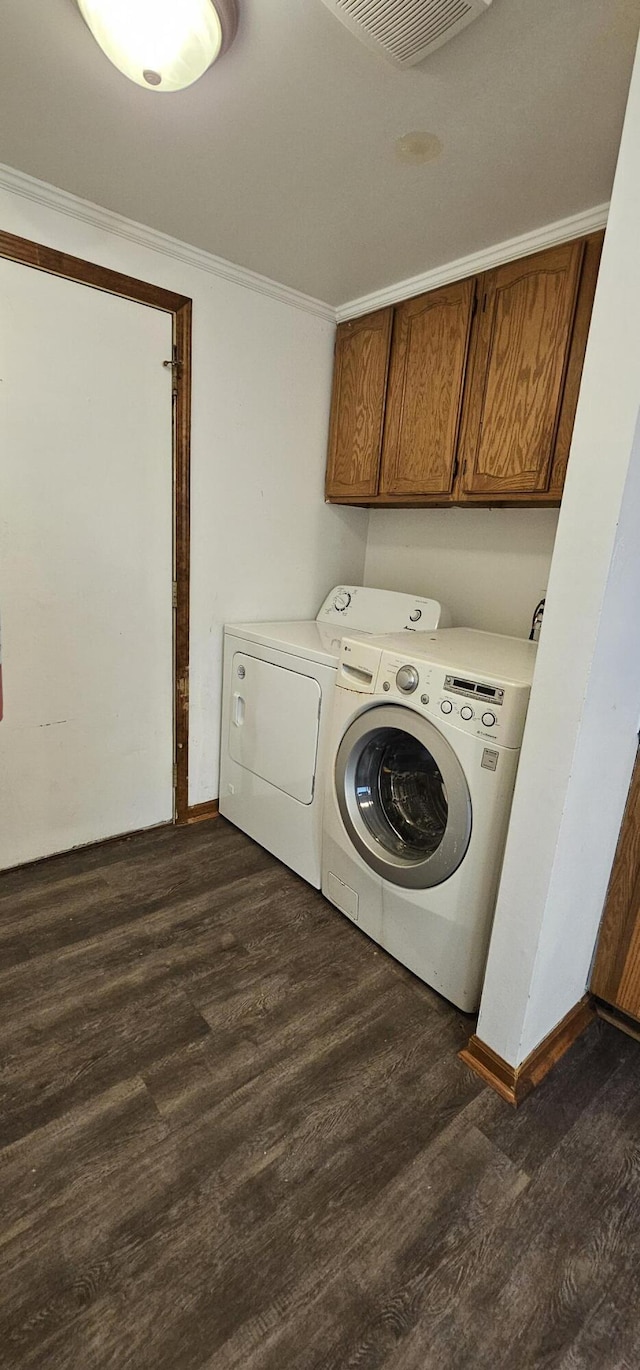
(424, 699)
(466, 713)
(386, 686)
(489, 720)
(342, 602)
(446, 706)
(415, 616)
(241, 672)
(407, 679)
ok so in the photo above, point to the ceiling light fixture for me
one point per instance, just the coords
(164, 45)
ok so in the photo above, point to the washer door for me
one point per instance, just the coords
(403, 797)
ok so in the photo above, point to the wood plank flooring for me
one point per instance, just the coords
(236, 1136)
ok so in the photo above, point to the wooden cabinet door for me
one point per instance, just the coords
(616, 971)
(358, 404)
(426, 380)
(518, 366)
(580, 334)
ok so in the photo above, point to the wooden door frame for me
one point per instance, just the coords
(55, 263)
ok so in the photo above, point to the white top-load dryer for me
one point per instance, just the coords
(277, 688)
(424, 749)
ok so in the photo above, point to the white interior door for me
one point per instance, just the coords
(86, 525)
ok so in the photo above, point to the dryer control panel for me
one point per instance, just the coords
(360, 608)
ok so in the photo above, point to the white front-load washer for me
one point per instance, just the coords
(278, 683)
(424, 748)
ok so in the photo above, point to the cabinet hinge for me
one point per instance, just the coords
(174, 594)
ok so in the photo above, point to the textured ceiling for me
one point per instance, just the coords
(282, 158)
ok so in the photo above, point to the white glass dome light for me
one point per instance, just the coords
(163, 45)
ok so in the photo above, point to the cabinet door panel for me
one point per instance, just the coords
(582, 320)
(358, 404)
(428, 361)
(520, 356)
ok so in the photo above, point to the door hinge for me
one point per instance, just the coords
(175, 364)
(175, 774)
(174, 594)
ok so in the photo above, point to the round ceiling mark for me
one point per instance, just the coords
(152, 78)
(417, 148)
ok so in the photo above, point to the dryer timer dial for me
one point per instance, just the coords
(407, 679)
(342, 601)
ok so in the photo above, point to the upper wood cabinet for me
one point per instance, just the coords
(520, 354)
(581, 322)
(358, 404)
(430, 344)
(467, 394)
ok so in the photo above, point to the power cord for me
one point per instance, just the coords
(536, 622)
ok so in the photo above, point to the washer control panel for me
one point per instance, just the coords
(489, 710)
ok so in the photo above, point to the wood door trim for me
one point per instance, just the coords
(55, 263)
(619, 920)
(513, 1083)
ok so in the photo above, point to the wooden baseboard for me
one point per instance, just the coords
(513, 1083)
(618, 1019)
(196, 813)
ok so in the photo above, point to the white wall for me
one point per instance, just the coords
(581, 735)
(263, 542)
(489, 566)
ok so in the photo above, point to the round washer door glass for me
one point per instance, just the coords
(403, 797)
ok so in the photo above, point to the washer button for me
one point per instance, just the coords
(489, 720)
(386, 685)
(424, 699)
(446, 706)
(415, 616)
(466, 713)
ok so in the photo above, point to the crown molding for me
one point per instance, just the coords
(63, 202)
(575, 226)
(40, 192)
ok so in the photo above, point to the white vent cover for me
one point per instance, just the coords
(405, 31)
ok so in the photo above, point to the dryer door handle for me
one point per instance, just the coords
(238, 710)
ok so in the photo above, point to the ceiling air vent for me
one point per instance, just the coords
(405, 31)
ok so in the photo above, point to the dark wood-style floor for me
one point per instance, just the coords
(236, 1134)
